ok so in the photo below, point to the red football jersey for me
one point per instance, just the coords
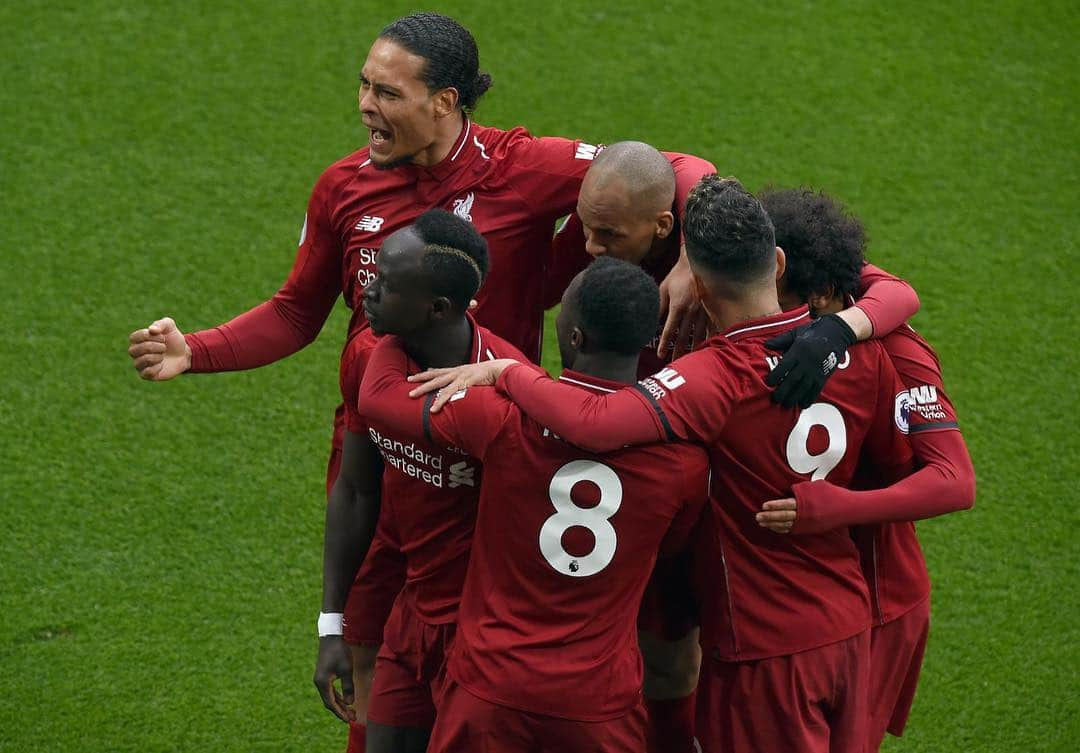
(429, 492)
(510, 185)
(892, 559)
(565, 544)
(764, 594)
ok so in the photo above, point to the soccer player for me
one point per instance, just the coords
(625, 210)
(825, 250)
(546, 655)
(418, 86)
(785, 620)
(421, 294)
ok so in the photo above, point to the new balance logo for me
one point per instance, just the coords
(829, 363)
(461, 475)
(670, 378)
(463, 207)
(772, 361)
(369, 223)
(587, 151)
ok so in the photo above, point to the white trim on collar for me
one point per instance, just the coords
(464, 138)
(804, 315)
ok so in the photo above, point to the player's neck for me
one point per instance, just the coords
(449, 132)
(726, 312)
(613, 368)
(441, 346)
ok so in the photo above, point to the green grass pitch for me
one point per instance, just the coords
(161, 544)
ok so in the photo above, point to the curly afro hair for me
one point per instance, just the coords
(824, 244)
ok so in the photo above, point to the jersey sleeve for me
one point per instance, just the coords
(943, 483)
(350, 374)
(293, 317)
(470, 421)
(886, 300)
(695, 493)
(688, 171)
(597, 423)
(384, 391)
(694, 395)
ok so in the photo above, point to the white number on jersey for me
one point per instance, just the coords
(567, 515)
(798, 454)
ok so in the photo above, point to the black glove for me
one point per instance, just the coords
(811, 354)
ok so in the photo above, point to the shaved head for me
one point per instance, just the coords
(625, 203)
(639, 171)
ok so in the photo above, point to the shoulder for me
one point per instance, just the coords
(342, 172)
(354, 360)
(492, 347)
(914, 358)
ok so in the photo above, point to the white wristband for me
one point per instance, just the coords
(330, 623)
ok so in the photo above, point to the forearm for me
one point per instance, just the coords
(886, 302)
(255, 338)
(350, 526)
(945, 484)
(597, 423)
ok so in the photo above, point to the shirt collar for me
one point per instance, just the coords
(591, 383)
(460, 154)
(767, 326)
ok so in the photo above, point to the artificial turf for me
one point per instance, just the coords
(161, 547)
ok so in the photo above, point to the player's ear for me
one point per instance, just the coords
(577, 338)
(441, 308)
(445, 101)
(822, 301)
(781, 262)
(665, 223)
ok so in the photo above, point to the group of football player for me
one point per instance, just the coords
(698, 537)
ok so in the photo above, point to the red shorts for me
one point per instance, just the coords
(467, 724)
(410, 670)
(810, 702)
(896, 656)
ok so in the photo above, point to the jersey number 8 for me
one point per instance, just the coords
(595, 519)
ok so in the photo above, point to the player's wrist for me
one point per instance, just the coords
(858, 323)
(330, 623)
(840, 329)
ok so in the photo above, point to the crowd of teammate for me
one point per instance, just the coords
(698, 537)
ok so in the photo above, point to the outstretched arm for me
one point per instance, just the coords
(597, 423)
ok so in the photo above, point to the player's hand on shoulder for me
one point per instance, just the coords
(685, 322)
(811, 354)
(778, 515)
(452, 380)
(333, 663)
(159, 352)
